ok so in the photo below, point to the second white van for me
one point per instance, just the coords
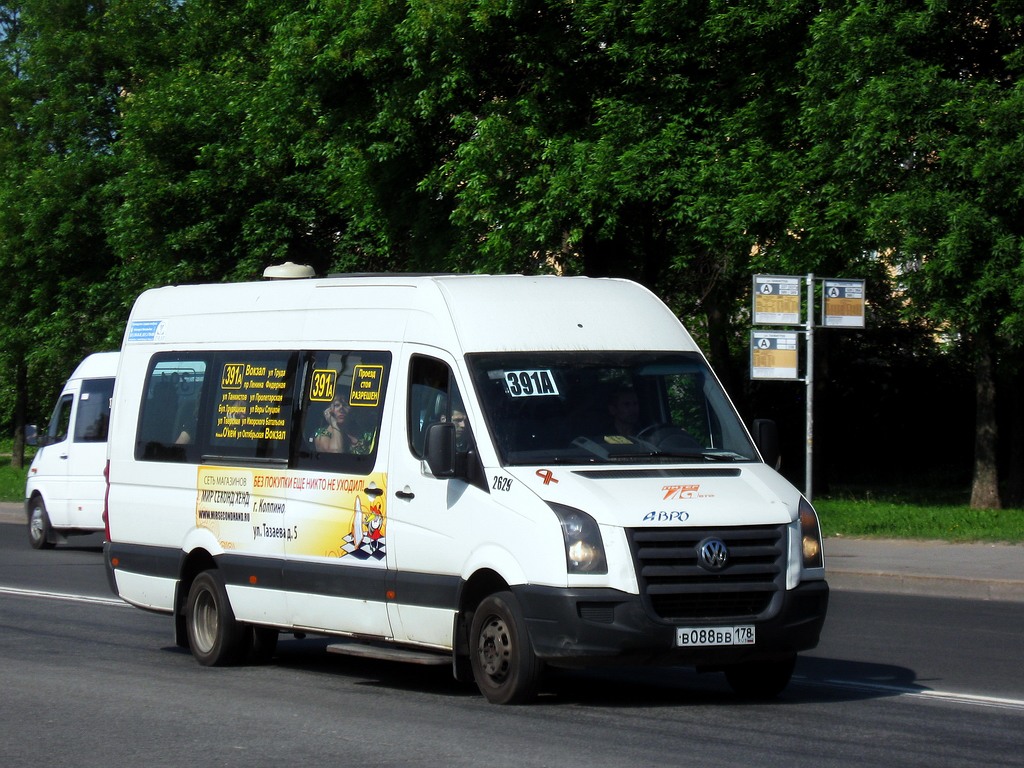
(65, 486)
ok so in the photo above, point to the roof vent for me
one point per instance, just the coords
(288, 271)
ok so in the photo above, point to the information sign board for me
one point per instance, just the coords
(842, 303)
(776, 300)
(774, 355)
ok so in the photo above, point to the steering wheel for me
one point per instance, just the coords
(668, 437)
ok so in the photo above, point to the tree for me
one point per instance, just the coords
(60, 118)
(912, 110)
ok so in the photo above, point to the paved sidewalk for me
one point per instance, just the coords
(978, 571)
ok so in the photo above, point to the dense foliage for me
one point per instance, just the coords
(687, 144)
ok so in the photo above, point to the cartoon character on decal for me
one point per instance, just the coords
(366, 539)
(374, 521)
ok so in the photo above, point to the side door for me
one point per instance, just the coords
(336, 517)
(50, 466)
(88, 453)
(434, 522)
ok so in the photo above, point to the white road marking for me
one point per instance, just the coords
(923, 693)
(62, 596)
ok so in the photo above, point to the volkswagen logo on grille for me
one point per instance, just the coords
(713, 554)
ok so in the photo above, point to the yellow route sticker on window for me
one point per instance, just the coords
(322, 385)
(366, 383)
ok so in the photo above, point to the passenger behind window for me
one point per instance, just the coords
(343, 430)
(188, 419)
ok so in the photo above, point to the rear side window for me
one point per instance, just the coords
(93, 416)
(252, 408)
(316, 410)
(343, 399)
(169, 418)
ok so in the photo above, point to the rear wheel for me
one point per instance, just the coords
(214, 636)
(40, 534)
(504, 665)
(761, 679)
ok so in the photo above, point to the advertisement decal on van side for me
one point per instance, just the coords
(249, 511)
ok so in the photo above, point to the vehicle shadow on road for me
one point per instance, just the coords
(846, 680)
(816, 680)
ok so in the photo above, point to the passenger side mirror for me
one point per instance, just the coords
(440, 449)
(766, 437)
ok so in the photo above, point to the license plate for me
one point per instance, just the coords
(687, 637)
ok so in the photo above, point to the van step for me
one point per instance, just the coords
(389, 653)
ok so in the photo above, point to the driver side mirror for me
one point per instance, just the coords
(766, 436)
(439, 450)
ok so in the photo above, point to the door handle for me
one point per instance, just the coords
(406, 493)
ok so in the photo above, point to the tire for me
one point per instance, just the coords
(760, 680)
(505, 667)
(40, 534)
(214, 636)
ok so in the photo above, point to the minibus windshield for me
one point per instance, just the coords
(606, 407)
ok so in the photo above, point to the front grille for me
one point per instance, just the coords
(676, 587)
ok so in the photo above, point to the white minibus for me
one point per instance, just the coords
(65, 486)
(498, 473)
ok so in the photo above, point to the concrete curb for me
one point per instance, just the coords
(12, 512)
(1007, 590)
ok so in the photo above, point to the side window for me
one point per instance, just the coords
(93, 416)
(60, 420)
(342, 404)
(434, 397)
(253, 402)
(169, 417)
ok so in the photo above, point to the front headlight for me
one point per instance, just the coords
(810, 536)
(584, 549)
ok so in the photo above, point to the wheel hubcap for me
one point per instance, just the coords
(495, 648)
(204, 622)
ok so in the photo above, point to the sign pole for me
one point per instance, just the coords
(809, 458)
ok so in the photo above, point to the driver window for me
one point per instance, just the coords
(434, 397)
(60, 420)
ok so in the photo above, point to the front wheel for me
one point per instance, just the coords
(505, 667)
(214, 636)
(760, 680)
(40, 534)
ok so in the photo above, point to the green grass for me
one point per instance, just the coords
(12, 481)
(904, 520)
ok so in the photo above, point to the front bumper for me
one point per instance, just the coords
(586, 627)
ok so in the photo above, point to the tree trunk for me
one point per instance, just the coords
(718, 344)
(985, 486)
(1015, 481)
(20, 408)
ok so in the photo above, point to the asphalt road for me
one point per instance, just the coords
(898, 680)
